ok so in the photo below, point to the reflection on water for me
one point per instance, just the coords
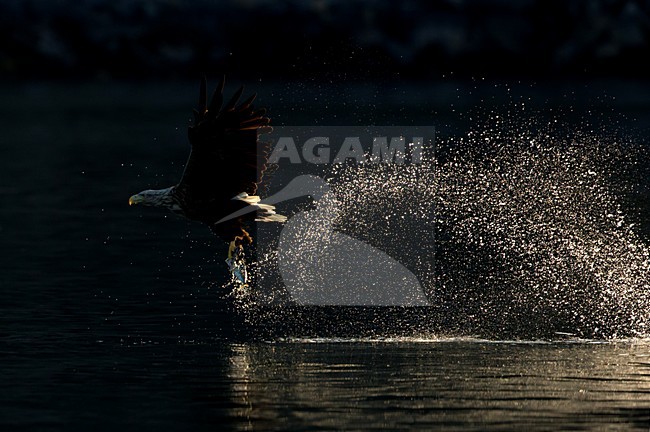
(361, 385)
(326, 384)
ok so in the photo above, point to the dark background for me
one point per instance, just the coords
(324, 39)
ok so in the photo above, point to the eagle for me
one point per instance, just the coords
(223, 170)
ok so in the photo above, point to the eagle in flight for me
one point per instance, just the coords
(222, 172)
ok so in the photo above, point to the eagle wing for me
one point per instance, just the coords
(224, 160)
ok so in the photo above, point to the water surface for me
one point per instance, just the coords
(112, 317)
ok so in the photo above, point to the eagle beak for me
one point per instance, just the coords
(135, 199)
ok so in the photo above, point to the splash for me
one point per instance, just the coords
(520, 228)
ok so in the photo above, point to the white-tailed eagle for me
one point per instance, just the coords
(223, 169)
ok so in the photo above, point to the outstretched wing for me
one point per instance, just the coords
(224, 160)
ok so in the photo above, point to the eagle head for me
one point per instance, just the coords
(156, 198)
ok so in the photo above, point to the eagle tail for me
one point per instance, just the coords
(265, 212)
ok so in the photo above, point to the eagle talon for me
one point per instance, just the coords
(236, 263)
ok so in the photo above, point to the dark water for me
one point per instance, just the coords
(112, 317)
